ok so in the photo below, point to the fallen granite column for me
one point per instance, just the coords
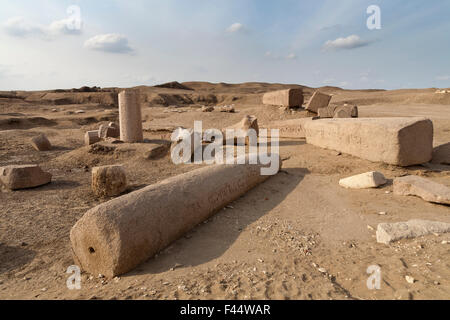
(116, 236)
(130, 117)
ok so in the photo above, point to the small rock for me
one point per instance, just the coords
(382, 213)
(444, 242)
(80, 111)
(410, 279)
(426, 189)
(389, 232)
(322, 270)
(366, 180)
(44, 289)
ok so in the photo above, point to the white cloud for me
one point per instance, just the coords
(351, 42)
(111, 42)
(65, 26)
(236, 27)
(20, 27)
(443, 78)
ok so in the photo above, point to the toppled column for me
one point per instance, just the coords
(130, 117)
(91, 137)
(396, 141)
(285, 98)
(389, 232)
(23, 177)
(116, 236)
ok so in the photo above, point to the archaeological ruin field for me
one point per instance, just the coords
(88, 179)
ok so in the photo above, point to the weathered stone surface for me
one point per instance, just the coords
(441, 154)
(293, 128)
(108, 181)
(390, 232)
(116, 236)
(286, 98)
(397, 141)
(23, 177)
(317, 101)
(326, 112)
(366, 180)
(108, 131)
(346, 111)
(91, 137)
(41, 143)
(130, 117)
(426, 189)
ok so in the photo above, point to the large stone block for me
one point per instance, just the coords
(293, 128)
(116, 236)
(396, 141)
(317, 101)
(390, 232)
(426, 189)
(285, 98)
(23, 177)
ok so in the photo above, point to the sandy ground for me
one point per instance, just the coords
(296, 236)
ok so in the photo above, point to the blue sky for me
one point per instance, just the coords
(144, 42)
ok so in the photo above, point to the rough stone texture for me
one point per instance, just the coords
(91, 137)
(285, 98)
(41, 143)
(116, 236)
(346, 111)
(317, 101)
(130, 117)
(23, 177)
(326, 112)
(441, 154)
(389, 232)
(293, 128)
(108, 181)
(108, 131)
(396, 141)
(426, 189)
(366, 180)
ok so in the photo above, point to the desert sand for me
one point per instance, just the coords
(298, 235)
